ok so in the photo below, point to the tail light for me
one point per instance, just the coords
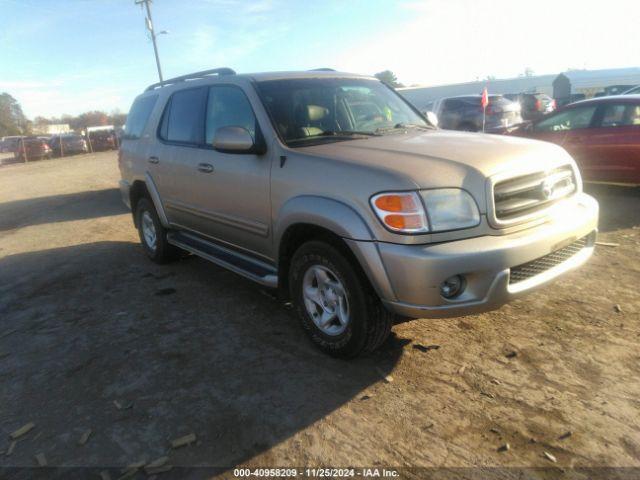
(538, 105)
(553, 104)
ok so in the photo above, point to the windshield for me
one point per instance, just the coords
(305, 110)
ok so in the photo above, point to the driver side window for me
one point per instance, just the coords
(571, 119)
(228, 106)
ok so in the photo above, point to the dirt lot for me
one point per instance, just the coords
(86, 320)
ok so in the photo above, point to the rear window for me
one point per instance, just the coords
(499, 101)
(459, 102)
(138, 116)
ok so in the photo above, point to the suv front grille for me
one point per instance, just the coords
(528, 194)
(542, 264)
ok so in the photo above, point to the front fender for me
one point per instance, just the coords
(345, 222)
(328, 213)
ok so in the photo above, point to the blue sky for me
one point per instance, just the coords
(69, 56)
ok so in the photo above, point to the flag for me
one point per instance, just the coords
(485, 98)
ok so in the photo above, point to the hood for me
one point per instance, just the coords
(445, 158)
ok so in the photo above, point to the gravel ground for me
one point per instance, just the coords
(95, 336)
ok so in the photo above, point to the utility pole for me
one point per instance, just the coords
(153, 34)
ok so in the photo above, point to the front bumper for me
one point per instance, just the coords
(414, 273)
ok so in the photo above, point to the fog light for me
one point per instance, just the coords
(452, 286)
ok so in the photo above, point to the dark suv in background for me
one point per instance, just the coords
(103, 140)
(465, 113)
(70, 144)
(533, 105)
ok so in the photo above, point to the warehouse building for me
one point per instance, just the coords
(563, 87)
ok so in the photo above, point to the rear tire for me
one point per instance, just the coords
(322, 283)
(153, 235)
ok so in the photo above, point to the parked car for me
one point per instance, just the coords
(632, 91)
(575, 97)
(355, 218)
(616, 89)
(533, 105)
(102, 140)
(71, 144)
(466, 113)
(10, 144)
(32, 148)
(602, 134)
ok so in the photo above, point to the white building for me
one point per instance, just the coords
(587, 82)
(53, 129)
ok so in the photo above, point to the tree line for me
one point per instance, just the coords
(14, 122)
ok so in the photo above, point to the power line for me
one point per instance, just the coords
(149, 21)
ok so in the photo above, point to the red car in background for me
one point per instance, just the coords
(601, 134)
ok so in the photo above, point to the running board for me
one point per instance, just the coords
(244, 265)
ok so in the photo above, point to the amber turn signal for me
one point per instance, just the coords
(401, 212)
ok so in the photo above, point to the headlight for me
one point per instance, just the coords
(446, 209)
(450, 209)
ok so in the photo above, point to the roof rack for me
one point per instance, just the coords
(192, 76)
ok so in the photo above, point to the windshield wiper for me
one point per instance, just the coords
(404, 126)
(346, 133)
(339, 135)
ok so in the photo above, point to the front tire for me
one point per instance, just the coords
(335, 302)
(153, 235)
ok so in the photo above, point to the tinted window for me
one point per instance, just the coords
(567, 120)
(498, 101)
(228, 107)
(453, 104)
(138, 116)
(184, 116)
(620, 115)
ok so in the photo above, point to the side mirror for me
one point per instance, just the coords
(432, 118)
(233, 140)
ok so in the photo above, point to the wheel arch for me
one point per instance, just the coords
(146, 188)
(317, 218)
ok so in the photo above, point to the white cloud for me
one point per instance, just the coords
(245, 28)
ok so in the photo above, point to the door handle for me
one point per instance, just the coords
(205, 167)
(153, 160)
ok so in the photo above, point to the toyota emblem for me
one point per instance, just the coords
(546, 189)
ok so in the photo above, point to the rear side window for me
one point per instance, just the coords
(228, 107)
(138, 116)
(572, 119)
(621, 116)
(183, 117)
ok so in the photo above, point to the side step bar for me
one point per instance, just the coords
(244, 265)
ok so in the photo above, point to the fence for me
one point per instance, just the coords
(30, 148)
